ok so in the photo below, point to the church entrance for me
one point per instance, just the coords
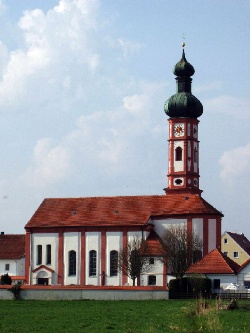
(43, 281)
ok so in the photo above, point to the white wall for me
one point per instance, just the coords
(114, 243)
(71, 243)
(157, 270)
(16, 267)
(162, 225)
(44, 239)
(93, 242)
(211, 234)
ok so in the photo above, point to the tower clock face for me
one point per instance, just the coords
(179, 129)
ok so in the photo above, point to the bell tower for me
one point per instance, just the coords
(183, 109)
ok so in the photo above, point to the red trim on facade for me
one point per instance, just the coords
(82, 264)
(189, 240)
(218, 233)
(205, 236)
(43, 267)
(124, 245)
(60, 259)
(27, 257)
(165, 272)
(103, 258)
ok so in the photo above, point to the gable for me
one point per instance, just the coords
(214, 263)
(241, 240)
(117, 211)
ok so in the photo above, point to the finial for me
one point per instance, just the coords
(183, 45)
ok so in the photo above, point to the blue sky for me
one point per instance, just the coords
(82, 89)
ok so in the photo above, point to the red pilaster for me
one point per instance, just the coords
(83, 265)
(103, 257)
(165, 270)
(124, 245)
(60, 259)
(205, 236)
(218, 233)
(27, 257)
(189, 241)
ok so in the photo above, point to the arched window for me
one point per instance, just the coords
(195, 155)
(92, 263)
(72, 262)
(113, 263)
(178, 154)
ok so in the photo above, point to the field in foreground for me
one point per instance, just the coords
(121, 316)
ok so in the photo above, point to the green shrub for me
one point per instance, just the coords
(5, 279)
(16, 290)
(190, 284)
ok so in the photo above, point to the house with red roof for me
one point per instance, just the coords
(12, 256)
(219, 268)
(76, 241)
(235, 246)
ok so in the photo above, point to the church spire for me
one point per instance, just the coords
(183, 109)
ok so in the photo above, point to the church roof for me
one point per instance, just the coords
(12, 246)
(118, 210)
(215, 262)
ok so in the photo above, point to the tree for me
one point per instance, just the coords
(181, 249)
(134, 260)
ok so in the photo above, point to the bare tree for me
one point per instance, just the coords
(134, 260)
(181, 249)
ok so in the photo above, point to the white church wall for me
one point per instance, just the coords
(44, 240)
(211, 234)
(197, 227)
(71, 243)
(162, 225)
(114, 243)
(93, 242)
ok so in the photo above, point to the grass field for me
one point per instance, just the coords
(121, 316)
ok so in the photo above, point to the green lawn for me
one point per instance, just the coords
(120, 316)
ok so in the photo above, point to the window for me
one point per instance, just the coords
(178, 154)
(39, 254)
(195, 155)
(7, 267)
(151, 261)
(72, 263)
(216, 283)
(236, 254)
(48, 254)
(225, 240)
(92, 263)
(113, 263)
(151, 280)
(225, 253)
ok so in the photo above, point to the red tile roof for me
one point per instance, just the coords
(215, 262)
(120, 210)
(241, 240)
(153, 245)
(12, 246)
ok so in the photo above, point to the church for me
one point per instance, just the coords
(76, 241)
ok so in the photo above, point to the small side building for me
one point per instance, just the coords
(12, 256)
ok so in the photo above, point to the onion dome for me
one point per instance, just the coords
(183, 103)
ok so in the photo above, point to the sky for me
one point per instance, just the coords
(82, 90)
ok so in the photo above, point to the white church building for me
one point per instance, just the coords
(76, 241)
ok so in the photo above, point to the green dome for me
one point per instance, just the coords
(183, 67)
(183, 103)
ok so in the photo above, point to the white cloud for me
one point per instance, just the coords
(2, 7)
(57, 44)
(229, 104)
(50, 164)
(128, 47)
(235, 164)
